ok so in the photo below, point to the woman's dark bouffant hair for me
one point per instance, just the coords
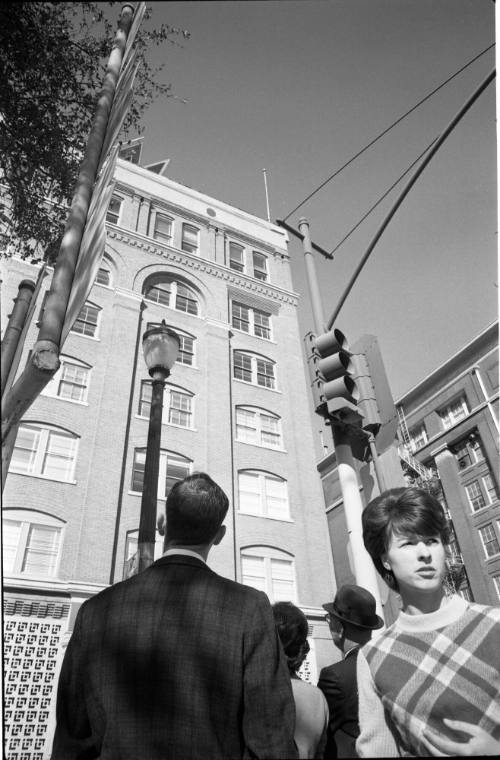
(409, 511)
(292, 627)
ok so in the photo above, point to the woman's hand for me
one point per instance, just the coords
(480, 743)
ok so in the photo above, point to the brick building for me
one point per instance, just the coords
(236, 406)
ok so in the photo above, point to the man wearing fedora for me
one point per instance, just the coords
(352, 619)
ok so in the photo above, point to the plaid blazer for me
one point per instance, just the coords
(176, 662)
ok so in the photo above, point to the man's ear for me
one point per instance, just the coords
(219, 535)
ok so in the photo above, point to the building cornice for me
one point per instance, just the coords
(241, 281)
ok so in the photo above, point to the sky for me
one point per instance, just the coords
(298, 87)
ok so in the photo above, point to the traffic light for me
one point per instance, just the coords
(332, 370)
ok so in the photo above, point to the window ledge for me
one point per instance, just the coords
(87, 337)
(252, 335)
(255, 385)
(170, 424)
(266, 517)
(261, 446)
(69, 400)
(42, 477)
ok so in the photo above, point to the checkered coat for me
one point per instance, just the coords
(176, 663)
(412, 676)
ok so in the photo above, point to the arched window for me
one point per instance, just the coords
(173, 467)
(114, 208)
(71, 380)
(262, 493)
(258, 426)
(255, 369)
(44, 450)
(269, 570)
(31, 543)
(178, 404)
(175, 295)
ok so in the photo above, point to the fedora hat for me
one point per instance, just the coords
(355, 605)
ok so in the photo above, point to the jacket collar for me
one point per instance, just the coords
(181, 559)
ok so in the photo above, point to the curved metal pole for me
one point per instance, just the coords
(407, 189)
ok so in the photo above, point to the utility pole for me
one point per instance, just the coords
(363, 568)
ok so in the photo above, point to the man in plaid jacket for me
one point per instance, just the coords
(177, 662)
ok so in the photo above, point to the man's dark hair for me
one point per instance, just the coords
(292, 627)
(405, 511)
(196, 508)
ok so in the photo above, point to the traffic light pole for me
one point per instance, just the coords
(362, 565)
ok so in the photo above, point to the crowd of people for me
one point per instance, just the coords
(180, 663)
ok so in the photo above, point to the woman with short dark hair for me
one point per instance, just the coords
(430, 683)
(311, 709)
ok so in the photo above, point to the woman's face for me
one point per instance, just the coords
(418, 562)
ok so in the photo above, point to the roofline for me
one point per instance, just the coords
(448, 361)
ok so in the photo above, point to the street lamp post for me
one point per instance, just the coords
(161, 347)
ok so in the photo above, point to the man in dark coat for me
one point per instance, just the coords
(177, 663)
(352, 619)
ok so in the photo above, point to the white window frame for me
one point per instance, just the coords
(186, 245)
(167, 404)
(453, 412)
(485, 543)
(496, 583)
(173, 294)
(252, 320)
(264, 507)
(161, 236)
(475, 485)
(85, 321)
(43, 439)
(28, 520)
(418, 437)
(270, 560)
(114, 214)
(490, 490)
(260, 273)
(172, 457)
(54, 385)
(254, 369)
(183, 351)
(240, 265)
(257, 438)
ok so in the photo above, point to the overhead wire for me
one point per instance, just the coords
(377, 203)
(385, 131)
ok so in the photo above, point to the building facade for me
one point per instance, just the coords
(236, 406)
(449, 424)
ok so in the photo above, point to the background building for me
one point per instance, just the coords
(236, 405)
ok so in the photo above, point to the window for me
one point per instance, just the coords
(418, 437)
(496, 582)
(270, 571)
(70, 381)
(258, 426)
(87, 321)
(163, 228)
(114, 208)
(31, 543)
(489, 539)
(103, 276)
(491, 487)
(261, 493)
(174, 294)
(254, 369)
(236, 260)
(250, 320)
(173, 467)
(475, 495)
(131, 548)
(186, 346)
(454, 412)
(189, 240)
(177, 404)
(44, 450)
(259, 266)
(468, 451)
